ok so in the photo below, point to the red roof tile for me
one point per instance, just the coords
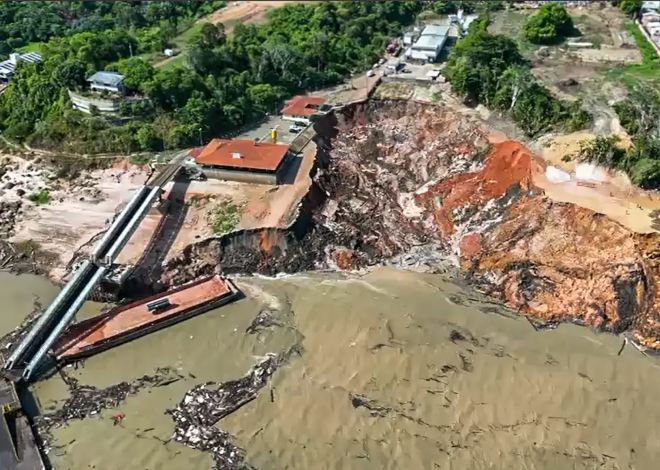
(302, 105)
(195, 152)
(243, 153)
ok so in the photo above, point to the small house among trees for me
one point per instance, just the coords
(112, 82)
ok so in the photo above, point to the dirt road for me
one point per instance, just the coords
(245, 12)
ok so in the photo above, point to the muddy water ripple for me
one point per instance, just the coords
(396, 370)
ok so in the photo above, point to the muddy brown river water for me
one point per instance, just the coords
(397, 370)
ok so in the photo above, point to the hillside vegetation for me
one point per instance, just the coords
(489, 69)
(550, 25)
(227, 81)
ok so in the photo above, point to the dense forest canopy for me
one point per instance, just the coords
(25, 22)
(227, 81)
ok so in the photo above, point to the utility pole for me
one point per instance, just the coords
(130, 48)
(201, 143)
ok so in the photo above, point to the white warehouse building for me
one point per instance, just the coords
(429, 45)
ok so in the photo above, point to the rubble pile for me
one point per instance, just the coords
(206, 404)
(265, 319)
(19, 178)
(9, 211)
(419, 186)
(383, 155)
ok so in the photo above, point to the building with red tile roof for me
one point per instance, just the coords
(243, 160)
(301, 108)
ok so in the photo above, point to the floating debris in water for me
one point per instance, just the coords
(206, 404)
(265, 319)
(87, 400)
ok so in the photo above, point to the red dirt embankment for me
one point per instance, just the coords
(552, 260)
(507, 163)
(406, 182)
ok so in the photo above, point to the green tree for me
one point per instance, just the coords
(549, 25)
(640, 112)
(147, 138)
(444, 8)
(515, 81)
(631, 8)
(477, 63)
(199, 112)
(70, 74)
(604, 151)
(137, 73)
(264, 97)
(643, 161)
(209, 36)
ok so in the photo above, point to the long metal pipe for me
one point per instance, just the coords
(111, 233)
(64, 322)
(63, 296)
(131, 226)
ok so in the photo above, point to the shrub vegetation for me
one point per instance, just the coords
(489, 69)
(550, 25)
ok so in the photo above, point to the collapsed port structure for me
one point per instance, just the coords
(27, 356)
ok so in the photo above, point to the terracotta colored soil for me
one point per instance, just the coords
(552, 260)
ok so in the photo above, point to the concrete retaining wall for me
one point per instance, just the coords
(83, 103)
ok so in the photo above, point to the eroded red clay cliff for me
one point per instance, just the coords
(551, 260)
(417, 185)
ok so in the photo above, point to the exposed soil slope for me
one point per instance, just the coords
(419, 185)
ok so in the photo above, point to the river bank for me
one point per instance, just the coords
(422, 187)
(426, 187)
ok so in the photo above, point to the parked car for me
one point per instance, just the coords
(376, 65)
(370, 73)
(294, 130)
(300, 124)
(381, 61)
